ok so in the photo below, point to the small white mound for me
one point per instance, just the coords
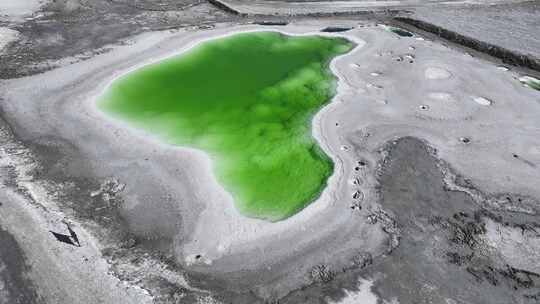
(373, 86)
(197, 259)
(437, 73)
(443, 105)
(441, 96)
(482, 101)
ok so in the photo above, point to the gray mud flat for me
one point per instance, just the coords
(443, 254)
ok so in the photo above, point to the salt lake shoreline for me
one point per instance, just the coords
(175, 198)
(253, 232)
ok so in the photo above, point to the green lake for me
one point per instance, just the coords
(247, 100)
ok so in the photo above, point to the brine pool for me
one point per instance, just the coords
(248, 101)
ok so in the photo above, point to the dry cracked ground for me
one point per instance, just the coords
(435, 198)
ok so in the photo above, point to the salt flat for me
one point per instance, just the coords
(152, 212)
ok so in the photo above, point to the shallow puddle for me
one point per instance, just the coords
(399, 31)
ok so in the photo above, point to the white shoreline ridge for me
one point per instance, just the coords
(171, 192)
(239, 229)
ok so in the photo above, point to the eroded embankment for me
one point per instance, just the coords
(506, 55)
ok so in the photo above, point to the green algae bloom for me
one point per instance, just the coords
(248, 101)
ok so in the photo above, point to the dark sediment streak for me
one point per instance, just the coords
(225, 7)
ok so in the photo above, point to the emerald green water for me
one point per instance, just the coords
(248, 101)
